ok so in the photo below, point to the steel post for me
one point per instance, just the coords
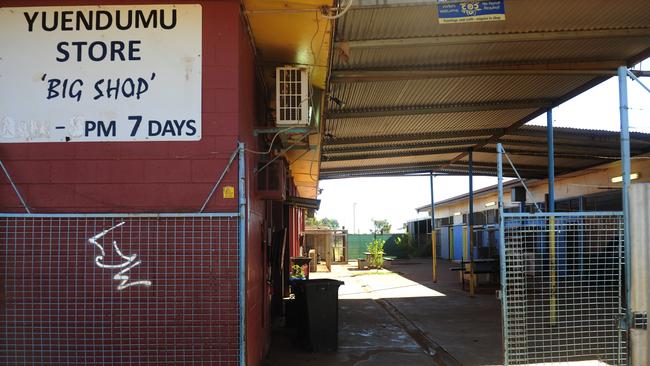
(551, 219)
(551, 161)
(625, 173)
(13, 185)
(434, 252)
(242, 255)
(502, 253)
(470, 221)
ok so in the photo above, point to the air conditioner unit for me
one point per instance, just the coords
(272, 181)
(291, 97)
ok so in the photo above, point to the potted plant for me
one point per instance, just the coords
(297, 273)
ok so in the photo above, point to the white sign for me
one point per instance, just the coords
(100, 73)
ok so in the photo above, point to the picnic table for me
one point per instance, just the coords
(481, 266)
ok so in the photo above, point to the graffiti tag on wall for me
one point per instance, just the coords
(129, 263)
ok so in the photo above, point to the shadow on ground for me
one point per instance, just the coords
(401, 318)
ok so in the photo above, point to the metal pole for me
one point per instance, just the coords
(625, 173)
(470, 221)
(551, 161)
(434, 251)
(502, 254)
(354, 218)
(647, 267)
(223, 174)
(551, 219)
(242, 255)
(11, 181)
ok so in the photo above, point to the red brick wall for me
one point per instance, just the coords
(257, 289)
(164, 176)
(59, 307)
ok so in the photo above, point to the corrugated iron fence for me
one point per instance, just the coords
(119, 289)
(564, 288)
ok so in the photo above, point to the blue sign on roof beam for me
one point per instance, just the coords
(471, 11)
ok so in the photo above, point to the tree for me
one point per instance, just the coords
(324, 222)
(381, 226)
(311, 222)
(331, 223)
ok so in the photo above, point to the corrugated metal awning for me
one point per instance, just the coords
(408, 94)
(526, 146)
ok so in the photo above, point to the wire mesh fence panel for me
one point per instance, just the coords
(93, 290)
(564, 289)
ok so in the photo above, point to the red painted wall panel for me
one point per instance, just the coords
(258, 290)
(59, 307)
(167, 176)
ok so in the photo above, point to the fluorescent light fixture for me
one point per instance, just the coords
(489, 204)
(619, 179)
(457, 213)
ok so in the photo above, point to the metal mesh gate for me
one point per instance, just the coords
(564, 276)
(111, 289)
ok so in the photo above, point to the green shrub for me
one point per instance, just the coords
(404, 246)
(376, 250)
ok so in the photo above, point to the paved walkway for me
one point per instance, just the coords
(399, 317)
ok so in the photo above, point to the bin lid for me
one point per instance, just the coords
(323, 282)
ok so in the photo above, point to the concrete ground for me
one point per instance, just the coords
(399, 317)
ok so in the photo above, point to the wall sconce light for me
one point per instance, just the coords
(490, 204)
(619, 179)
(457, 213)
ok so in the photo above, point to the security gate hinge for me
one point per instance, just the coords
(640, 320)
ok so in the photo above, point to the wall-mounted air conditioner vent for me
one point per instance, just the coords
(272, 181)
(291, 96)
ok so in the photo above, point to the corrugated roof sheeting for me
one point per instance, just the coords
(529, 161)
(390, 153)
(480, 54)
(398, 73)
(587, 148)
(367, 163)
(521, 16)
(472, 89)
(331, 147)
(379, 126)
(425, 168)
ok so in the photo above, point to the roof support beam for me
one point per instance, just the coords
(560, 135)
(438, 109)
(416, 141)
(393, 154)
(328, 149)
(438, 163)
(544, 154)
(411, 137)
(600, 68)
(577, 147)
(479, 169)
(424, 170)
(575, 150)
(474, 39)
(402, 173)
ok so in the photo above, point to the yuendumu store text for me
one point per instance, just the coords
(105, 65)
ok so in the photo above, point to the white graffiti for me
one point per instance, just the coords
(126, 266)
